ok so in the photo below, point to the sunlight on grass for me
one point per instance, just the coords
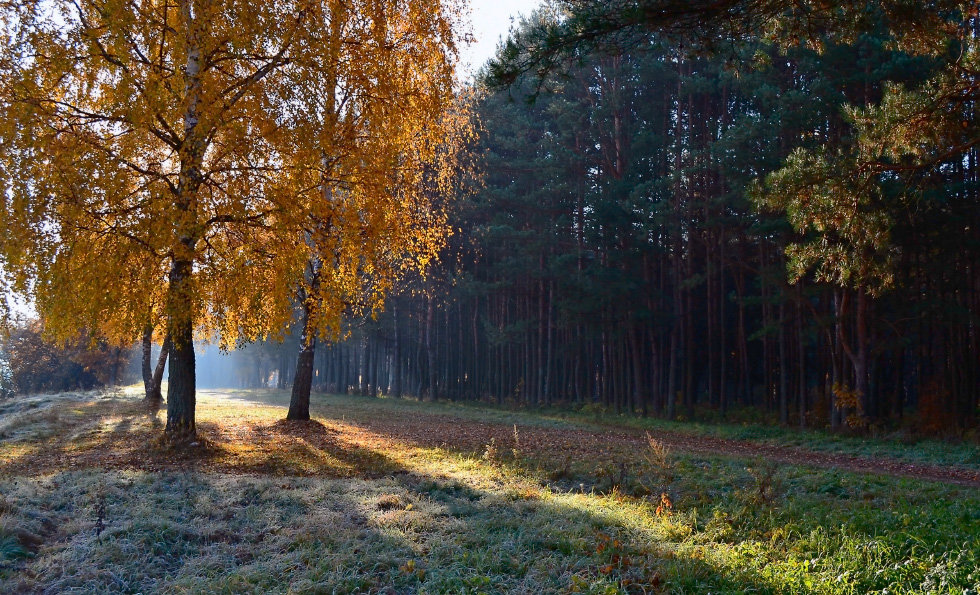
(378, 493)
(11, 451)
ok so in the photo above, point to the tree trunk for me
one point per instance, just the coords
(639, 396)
(161, 365)
(783, 367)
(150, 398)
(549, 350)
(299, 400)
(430, 351)
(396, 379)
(861, 383)
(672, 374)
(801, 359)
(181, 400)
(152, 377)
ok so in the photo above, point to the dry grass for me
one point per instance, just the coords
(387, 497)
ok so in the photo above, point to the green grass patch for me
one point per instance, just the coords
(381, 495)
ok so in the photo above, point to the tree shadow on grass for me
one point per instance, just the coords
(120, 435)
(302, 448)
(256, 498)
(75, 434)
(403, 532)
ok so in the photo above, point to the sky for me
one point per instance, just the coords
(491, 20)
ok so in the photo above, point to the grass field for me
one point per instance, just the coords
(396, 496)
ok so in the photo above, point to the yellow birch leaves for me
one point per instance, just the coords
(310, 129)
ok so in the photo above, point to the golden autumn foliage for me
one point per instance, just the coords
(187, 159)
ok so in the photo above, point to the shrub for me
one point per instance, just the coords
(35, 365)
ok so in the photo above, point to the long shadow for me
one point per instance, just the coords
(476, 539)
(393, 528)
(119, 434)
(495, 540)
(303, 448)
(855, 510)
(78, 434)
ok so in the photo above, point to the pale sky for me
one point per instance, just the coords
(491, 20)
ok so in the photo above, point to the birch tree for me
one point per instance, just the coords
(176, 152)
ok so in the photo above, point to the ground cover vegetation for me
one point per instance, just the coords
(377, 495)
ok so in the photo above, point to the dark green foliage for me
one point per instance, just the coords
(587, 27)
(789, 226)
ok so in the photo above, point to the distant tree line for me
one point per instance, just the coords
(31, 364)
(668, 232)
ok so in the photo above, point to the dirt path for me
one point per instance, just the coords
(802, 456)
(250, 443)
(618, 444)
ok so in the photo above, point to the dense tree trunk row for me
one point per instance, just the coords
(617, 258)
(792, 362)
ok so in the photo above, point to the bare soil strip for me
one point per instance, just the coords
(615, 443)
